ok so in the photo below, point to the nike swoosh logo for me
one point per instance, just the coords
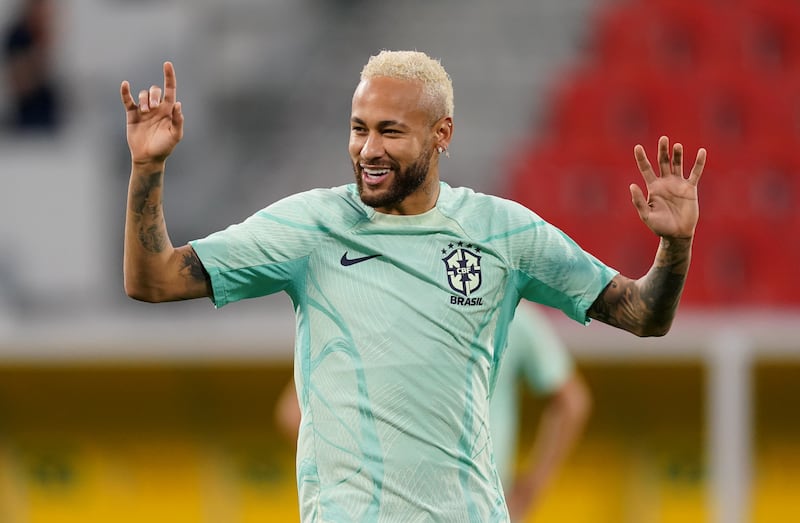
(346, 262)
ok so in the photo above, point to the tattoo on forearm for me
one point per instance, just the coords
(663, 286)
(647, 306)
(146, 208)
(152, 238)
(662, 291)
(142, 194)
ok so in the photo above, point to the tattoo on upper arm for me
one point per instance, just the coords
(195, 267)
(606, 307)
(600, 309)
(147, 212)
(192, 268)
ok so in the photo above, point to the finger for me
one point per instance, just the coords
(677, 160)
(155, 96)
(144, 101)
(127, 98)
(644, 164)
(177, 120)
(639, 200)
(170, 83)
(664, 164)
(699, 165)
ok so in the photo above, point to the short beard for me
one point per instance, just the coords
(405, 183)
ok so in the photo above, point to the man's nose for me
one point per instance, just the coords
(373, 146)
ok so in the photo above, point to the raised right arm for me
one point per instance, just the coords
(154, 270)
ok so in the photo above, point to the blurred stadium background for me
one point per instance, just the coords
(112, 410)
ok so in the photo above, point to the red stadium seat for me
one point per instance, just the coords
(772, 185)
(735, 108)
(725, 79)
(747, 247)
(723, 267)
(783, 95)
(674, 36)
(580, 179)
(770, 35)
(622, 105)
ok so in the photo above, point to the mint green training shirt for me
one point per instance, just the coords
(535, 356)
(401, 322)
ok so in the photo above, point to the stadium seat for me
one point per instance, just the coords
(586, 180)
(724, 77)
(735, 108)
(772, 187)
(672, 35)
(770, 33)
(623, 105)
(722, 267)
(784, 97)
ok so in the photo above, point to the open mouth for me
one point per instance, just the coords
(374, 175)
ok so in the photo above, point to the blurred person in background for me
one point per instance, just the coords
(536, 358)
(27, 46)
(403, 289)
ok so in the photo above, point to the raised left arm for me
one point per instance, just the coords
(647, 306)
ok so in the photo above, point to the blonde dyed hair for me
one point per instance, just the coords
(437, 87)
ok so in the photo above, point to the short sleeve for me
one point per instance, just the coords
(267, 252)
(556, 271)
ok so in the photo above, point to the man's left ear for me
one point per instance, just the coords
(444, 132)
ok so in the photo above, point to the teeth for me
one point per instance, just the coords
(375, 172)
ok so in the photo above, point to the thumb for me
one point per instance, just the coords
(638, 199)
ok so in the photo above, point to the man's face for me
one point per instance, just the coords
(391, 145)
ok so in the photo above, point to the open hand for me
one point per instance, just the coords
(671, 209)
(154, 125)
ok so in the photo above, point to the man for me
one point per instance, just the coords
(27, 47)
(536, 357)
(403, 289)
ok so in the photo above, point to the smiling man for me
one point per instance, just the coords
(392, 138)
(403, 287)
